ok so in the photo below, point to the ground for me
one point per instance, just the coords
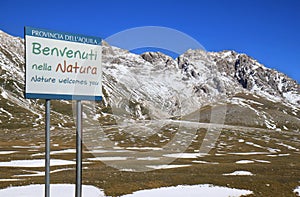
(263, 161)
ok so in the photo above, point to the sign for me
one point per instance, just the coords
(62, 65)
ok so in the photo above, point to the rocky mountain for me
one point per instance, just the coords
(211, 87)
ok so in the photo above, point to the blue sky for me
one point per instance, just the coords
(267, 30)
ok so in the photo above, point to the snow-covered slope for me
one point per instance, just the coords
(15, 111)
(154, 86)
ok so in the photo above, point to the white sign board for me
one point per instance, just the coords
(62, 65)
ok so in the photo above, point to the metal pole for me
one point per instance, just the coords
(78, 190)
(47, 149)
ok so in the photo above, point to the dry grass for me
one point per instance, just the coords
(277, 178)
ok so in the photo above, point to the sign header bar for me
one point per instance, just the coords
(50, 34)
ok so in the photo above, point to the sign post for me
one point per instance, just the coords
(47, 149)
(62, 66)
(78, 190)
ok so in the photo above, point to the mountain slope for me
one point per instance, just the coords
(197, 86)
(15, 111)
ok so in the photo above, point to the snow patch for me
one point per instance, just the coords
(148, 158)
(143, 148)
(5, 180)
(41, 173)
(6, 152)
(261, 161)
(292, 97)
(279, 155)
(249, 153)
(9, 114)
(270, 125)
(244, 162)
(239, 173)
(166, 166)
(297, 190)
(63, 151)
(108, 159)
(4, 94)
(66, 190)
(255, 145)
(288, 146)
(184, 155)
(205, 162)
(35, 163)
(191, 191)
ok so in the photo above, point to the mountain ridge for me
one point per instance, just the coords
(155, 86)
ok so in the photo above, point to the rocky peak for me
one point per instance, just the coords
(11, 44)
(255, 77)
(159, 60)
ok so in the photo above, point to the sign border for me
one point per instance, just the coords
(28, 32)
(62, 97)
